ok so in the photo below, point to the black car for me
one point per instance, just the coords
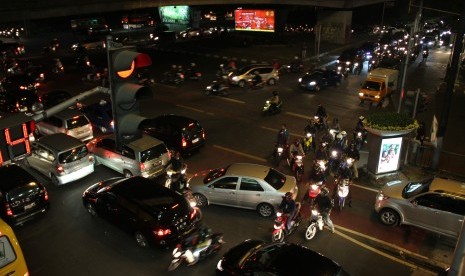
(177, 132)
(150, 212)
(17, 101)
(254, 257)
(22, 197)
(19, 82)
(368, 49)
(320, 78)
(55, 97)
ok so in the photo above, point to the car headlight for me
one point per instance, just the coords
(347, 62)
(360, 94)
(209, 87)
(339, 68)
(235, 78)
(312, 83)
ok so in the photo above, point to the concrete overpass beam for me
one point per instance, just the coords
(335, 26)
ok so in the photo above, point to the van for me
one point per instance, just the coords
(68, 121)
(12, 260)
(268, 73)
(61, 157)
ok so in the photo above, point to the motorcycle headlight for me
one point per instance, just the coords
(334, 153)
(350, 160)
(359, 134)
(267, 102)
(356, 64)
(219, 265)
(360, 94)
(339, 68)
(299, 157)
(209, 87)
(314, 212)
(193, 203)
(278, 214)
(280, 150)
(308, 135)
(176, 252)
(347, 62)
(300, 79)
(312, 83)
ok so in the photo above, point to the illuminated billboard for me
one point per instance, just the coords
(389, 155)
(175, 14)
(254, 20)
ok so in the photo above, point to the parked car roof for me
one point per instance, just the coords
(15, 174)
(60, 141)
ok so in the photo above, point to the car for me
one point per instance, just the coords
(17, 101)
(190, 32)
(243, 185)
(178, 132)
(349, 56)
(19, 82)
(61, 157)
(14, 262)
(389, 63)
(320, 78)
(369, 49)
(70, 121)
(22, 196)
(434, 204)
(152, 213)
(256, 257)
(55, 97)
(91, 43)
(268, 73)
(146, 156)
(100, 116)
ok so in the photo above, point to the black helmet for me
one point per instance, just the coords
(275, 93)
(288, 195)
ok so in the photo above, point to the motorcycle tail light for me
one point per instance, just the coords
(280, 150)
(162, 232)
(184, 143)
(60, 169)
(8, 210)
(142, 166)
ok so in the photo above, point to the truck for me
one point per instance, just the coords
(380, 83)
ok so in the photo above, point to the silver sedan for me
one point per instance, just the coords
(243, 185)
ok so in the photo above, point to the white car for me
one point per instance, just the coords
(243, 185)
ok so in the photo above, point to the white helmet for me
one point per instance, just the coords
(361, 118)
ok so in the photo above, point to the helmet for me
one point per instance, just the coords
(288, 195)
(343, 133)
(361, 118)
(275, 93)
(339, 136)
(296, 142)
(324, 191)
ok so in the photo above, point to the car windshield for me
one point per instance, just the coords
(77, 121)
(263, 258)
(31, 190)
(275, 179)
(415, 188)
(371, 85)
(153, 153)
(72, 155)
(214, 174)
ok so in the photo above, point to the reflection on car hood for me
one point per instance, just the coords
(236, 255)
(289, 185)
(394, 188)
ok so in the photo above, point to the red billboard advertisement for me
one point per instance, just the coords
(254, 20)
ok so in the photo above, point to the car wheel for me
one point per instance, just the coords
(265, 209)
(127, 173)
(54, 179)
(317, 88)
(141, 239)
(241, 83)
(103, 129)
(201, 200)
(271, 81)
(91, 209)
(389, 217)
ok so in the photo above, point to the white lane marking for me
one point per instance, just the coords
(195, 109)
(367, 188)
(276, 130)
(299, 115)
(232, 100)
(240, 153)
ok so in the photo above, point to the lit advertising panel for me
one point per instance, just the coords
(175, 14)
(389, 154)
(254, 20)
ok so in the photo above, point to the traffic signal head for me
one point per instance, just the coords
(126, 93)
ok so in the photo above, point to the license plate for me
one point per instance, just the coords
(29, 206)
(195, 140)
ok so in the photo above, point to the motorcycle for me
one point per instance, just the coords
(425, 55)
(278, 154)
(216, 88)
(307, 142)
(280, 230)
(182, 253)
(176, 79)
(190, 74)
(315, 224)
(271, 109)
(334, 160)
(292, 68)
(358, 140)
(319, 123)
(145, 80)
(297, 167)
(342, 189)
(252, 85)
(344, 69)
(358, 67)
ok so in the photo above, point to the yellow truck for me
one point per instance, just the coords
(380, 83)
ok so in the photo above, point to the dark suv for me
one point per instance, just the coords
(22, 197)
(150, 212)
(178, 132)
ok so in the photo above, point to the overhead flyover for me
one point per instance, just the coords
(19, 10)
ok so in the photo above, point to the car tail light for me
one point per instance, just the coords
(42, 76)
(45, 195)
(193, 213)
(184, 143)
(8, 210)
(181, 76)
(91, 158)
(142, 166)
(112, 123)
(203, 135)
(60, 169)
(162, 232)
(169, 154)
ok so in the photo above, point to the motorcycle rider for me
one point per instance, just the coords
(283, 136)
(294, 150)
(257, 79)
(324, 205)
(360, 127)
(274, 101)
(327, 137)
(353, 153)
(425, 53)
(421, 132)
(321, 153)
(221, 71)
(335, 127)
(171, 74)
(311, 128)
(192, 242)
(295, 64)
(176, 163)
(288, 206)
(322, 115)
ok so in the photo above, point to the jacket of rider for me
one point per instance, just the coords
(287, 206)
(324, 203)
